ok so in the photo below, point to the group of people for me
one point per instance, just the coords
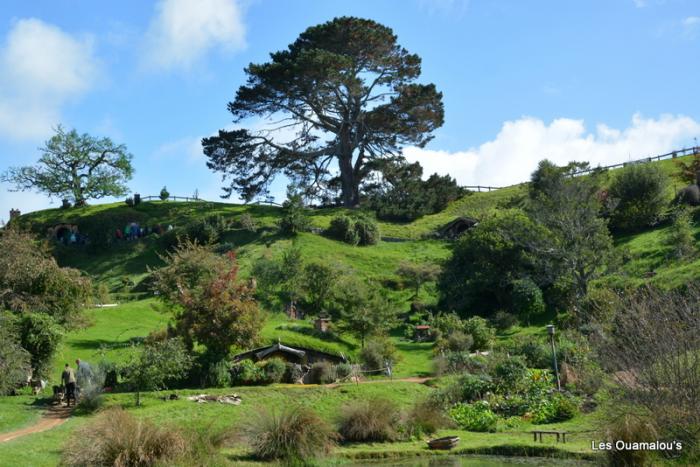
(133, 231)
(73, 380)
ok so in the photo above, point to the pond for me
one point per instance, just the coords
(474, 461)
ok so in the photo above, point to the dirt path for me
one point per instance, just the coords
(414, 379)
(52, 418)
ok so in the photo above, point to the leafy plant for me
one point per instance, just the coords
(475, 417)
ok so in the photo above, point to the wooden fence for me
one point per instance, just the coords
(171, 198)
(669, 155)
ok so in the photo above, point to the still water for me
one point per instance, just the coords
(474, 461)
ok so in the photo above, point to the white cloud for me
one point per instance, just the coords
(691, 25)
(514, 153)
(41, 68)
(185, 30)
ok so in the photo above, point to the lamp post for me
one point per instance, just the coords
(550, 331)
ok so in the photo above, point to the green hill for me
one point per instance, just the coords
(122, 265)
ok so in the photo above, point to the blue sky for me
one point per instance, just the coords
(522, 80)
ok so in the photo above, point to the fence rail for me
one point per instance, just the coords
(480, 188)
(173, 198)
(669, 155)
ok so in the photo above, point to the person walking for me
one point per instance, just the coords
(68, 380)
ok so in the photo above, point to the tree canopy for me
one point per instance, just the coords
(346, 92)
(75, 167)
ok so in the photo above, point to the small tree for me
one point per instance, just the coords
(680, 235)
(156, 365)
(319, 283)
(14, 360)
(164, 193)
(32, 281)
(415, 275)
(363, 311)
(76, 167)
(294, 218)
(527, 299)
(640, 192)
(40, 335)
(212, 306)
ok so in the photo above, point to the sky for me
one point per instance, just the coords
(603, 81)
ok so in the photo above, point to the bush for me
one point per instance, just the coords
(342, 228)
(536, 354)
(274, 370)
(294, 218)
(482, 334)
(14, 360)
(129, 202)
(245, 372)
(424, 418)
(456, 341)
(467, 388)
(218, 374)
(295, 435)
(343, 370)
(248, 223)
(370, 420)
(510, 374)
(116, 437)
(459, 362)
(503, 320)
(40, 335)
(557, 408)
(164, 193)
(527, 299)
(474, 417)
(293, 372)
(376, 353)
(640, 192)
(629, 428)
(322, 373)
(357, 230)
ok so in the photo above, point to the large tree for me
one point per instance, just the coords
(75, 167)
(346, 92)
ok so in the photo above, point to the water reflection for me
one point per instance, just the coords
(475, 461)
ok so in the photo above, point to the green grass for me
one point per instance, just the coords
(43, 449)
(18, 411)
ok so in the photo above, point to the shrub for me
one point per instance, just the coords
(640, 191)
(527, 299)
(129, 202)
(680, 236)
(91, 398)
(481, 332)
(294, 218)
(357, 230)
(14, 360)
(274, 370)
(248, 223)
(373, 419)
(536, 354)
(245, 372)
(474, 417)
(164, 193)
(456, 341)
(295, 435)
(40, 335)
(629, 428)
(376, 353)
(367, 231)
(293, 372)
(503, 320)
(458, 362)
(342, 228)
(467, 388)
(509, 405)
(343, 370)
(510, 374)
(117, 438)
(218, 374)
(557, 408)
(322, 373)
(424, 418)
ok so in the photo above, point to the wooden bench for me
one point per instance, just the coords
(560, 435)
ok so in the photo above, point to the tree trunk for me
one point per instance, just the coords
(349, 184)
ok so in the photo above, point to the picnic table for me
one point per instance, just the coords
(560, 434)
